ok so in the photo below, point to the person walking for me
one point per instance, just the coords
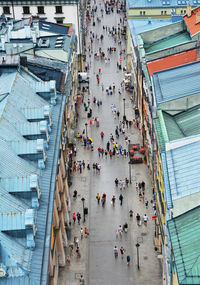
(115, 251)
(86, 232)
(145, 219)
(98, 197)
(128, 259)
(121, 199)
(122, 251)
(78, 215)
(138, 219)
(74, 217)
(81, 232)
(108, 146)
(120, 230)
(81, 280)
(78, 254)
(113, 200)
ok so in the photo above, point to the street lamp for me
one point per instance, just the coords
(130, 172)
(83, 200)
(86, 124)
(137, 246)
(124, 117)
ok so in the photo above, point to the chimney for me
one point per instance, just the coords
(197, 17)
(189, 10)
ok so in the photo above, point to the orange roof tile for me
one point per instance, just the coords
(191, 22)
(172, 61)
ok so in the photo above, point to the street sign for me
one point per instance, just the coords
(154, 218)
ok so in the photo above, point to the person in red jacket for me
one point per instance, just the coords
(102, 134)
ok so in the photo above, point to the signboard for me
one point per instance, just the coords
(154, 218)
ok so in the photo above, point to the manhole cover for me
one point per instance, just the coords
(143, 234)
(78, 275)
(145, 257)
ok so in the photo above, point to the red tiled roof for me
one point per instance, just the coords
(191, 22)
(172, 61)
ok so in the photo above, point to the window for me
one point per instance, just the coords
(58, 9)
(165, 12)
(59, 21)
(140, 12)
(143, 12)
(181, 11)
(161, 12)
(184, 11)
(6, 10)
(26, 9)
(40, 9)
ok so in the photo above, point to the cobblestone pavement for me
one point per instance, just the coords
(97, 262)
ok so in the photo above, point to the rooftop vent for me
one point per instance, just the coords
(189, 10)
(43, 43)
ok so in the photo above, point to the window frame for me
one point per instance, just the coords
(6, 7)
(26, 7)
(58, 8)
(40, 7)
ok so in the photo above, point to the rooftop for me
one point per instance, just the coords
(171, 127)
(48, 39)
(184, 234)
(168, 42)
(172, 61)
(29, 145)
(176, 83)
(182, 160)
(193, 26)
(161, 3)
(138, 26)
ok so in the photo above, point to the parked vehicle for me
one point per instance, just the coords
(83, 77)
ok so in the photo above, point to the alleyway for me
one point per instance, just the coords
(97, 262)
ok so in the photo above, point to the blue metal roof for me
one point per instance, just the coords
(182, 157)
(176, 82)
(10, 203)
(20, 177)
(161, 3)
(6, 82)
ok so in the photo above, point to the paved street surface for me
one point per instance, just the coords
(97, 262)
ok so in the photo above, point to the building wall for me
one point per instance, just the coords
(154, 12)
(160, 33)
(147, 127)
(171, 51)
(161, 205)
(181, 104)
(60, 214)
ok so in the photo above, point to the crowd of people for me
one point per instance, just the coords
(115, 144)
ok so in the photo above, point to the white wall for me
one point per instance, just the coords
(69, 14)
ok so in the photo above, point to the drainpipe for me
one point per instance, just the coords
(13, 11)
